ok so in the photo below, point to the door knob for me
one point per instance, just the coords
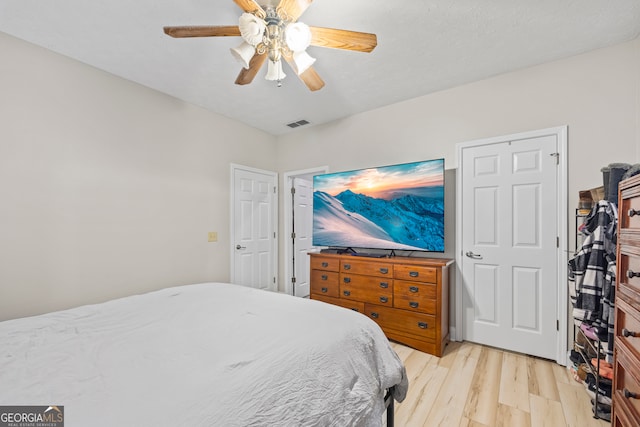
(240, 247)
(472, 255)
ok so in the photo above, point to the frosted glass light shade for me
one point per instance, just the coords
(251, 28)
(274, 71)
(297, 36)
(302, 61)
(243, 53)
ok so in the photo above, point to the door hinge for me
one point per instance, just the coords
(557, 241)
(293, 280)
(557, 325)
(274, 234)
(293, 190)
(557, 156)
(274, 280)
(293, 235)
(274, 189)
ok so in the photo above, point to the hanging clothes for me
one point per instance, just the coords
(592, 273)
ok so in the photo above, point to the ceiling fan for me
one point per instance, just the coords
(270, 30)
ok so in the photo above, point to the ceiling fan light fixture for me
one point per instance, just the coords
(271, 32)
(243, 53)
(274, 71)
(302, 61)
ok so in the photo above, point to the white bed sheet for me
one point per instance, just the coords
(211, 354)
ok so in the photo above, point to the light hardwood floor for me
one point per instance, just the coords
(477, 386)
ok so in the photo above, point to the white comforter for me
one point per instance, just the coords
(211, 354)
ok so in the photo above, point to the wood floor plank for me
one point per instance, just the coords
(514, 384)
(542, 381)
(546, 413)
(428, 387)
(576, 406)
(449, 406)
(509, 416)
(425, 379)
(466, 422)
(482, 401)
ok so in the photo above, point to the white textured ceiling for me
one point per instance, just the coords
(423, 46)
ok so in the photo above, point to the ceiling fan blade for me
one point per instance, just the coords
(202, 31)
(247, 74)
(310, 77)
(343, 39)
(251, 6)
(290, 10)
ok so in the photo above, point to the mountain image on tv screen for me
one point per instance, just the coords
(399, 207)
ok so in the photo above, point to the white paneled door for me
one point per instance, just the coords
(510, 244)
(253, 219)
(302, 200)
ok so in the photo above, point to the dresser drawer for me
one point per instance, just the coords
(629, 213)
(368, 268)
(352, 305)
(627, 385)
(627, 326)
(325, 282)
(417, 324)
(325, 263)
(622, 415)
(629, 271)
(376, 290)
(416, 273)
(415, 296)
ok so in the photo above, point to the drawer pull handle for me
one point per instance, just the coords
(384, 285)
(325, 290)
(375, 315)
(347, 280)
(422, 325)
(325, 264)
(384, 299)
(346, 293)
(384, 270)
(628, 333)
(325, 277)
(413, 289)
(355, 309)
(347, 266)
(629, 394)
(633, 212)
(413, 304)
(631, 274)
(413, 274)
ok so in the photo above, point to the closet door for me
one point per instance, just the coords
(510, 253)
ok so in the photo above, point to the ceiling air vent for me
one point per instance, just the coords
(298, 123)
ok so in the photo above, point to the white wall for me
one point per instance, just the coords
(108, 188)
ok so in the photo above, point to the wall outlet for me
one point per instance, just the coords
(213, 236)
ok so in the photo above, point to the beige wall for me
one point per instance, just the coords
(596, 94)
(108, 188)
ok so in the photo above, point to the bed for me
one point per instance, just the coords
(210, 354)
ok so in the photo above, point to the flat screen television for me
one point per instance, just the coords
(396, 207)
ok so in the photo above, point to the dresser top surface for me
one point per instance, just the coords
(432, 262)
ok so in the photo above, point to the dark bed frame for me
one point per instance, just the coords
(388, 403)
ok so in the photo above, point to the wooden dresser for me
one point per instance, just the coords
(626, 351)
(407, 297)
